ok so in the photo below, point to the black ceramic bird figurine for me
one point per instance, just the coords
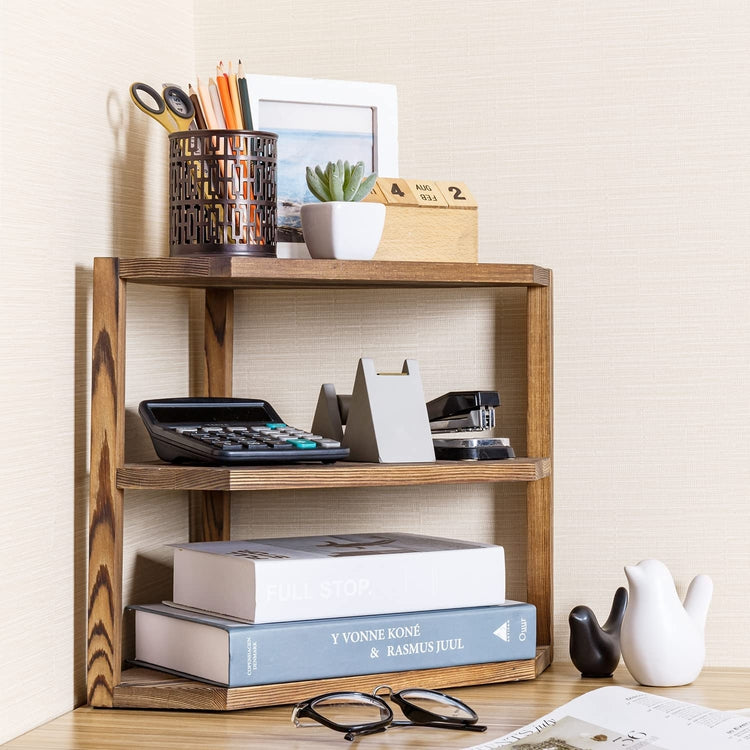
(595, 650)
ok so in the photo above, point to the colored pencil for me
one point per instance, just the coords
(200, 120)
(248, 119)
(208, 107)
(216, 101)
(222, 82)
(247, 115)
(234, 93)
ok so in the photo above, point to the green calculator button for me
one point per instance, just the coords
(303, 443)
(275, 425)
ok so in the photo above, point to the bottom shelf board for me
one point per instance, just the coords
(147, 688)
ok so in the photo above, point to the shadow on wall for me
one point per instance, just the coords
(509, 335)
(132, 235)
(156, 586)
(131, 232)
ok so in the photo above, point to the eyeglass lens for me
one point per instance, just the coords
(439, 705)
(350, 710)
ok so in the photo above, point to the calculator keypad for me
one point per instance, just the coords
(256, 439)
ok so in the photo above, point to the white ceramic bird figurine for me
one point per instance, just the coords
(663, 641)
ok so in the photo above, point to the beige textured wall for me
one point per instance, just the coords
(605, 140)
(81, 174)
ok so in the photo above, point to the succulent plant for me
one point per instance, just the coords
(340, 181)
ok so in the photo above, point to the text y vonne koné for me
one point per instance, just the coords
(397, 633)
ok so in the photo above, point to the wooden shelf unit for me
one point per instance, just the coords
(107, 684)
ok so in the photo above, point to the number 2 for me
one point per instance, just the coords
(456, 193)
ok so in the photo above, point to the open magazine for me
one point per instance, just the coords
(616, 717)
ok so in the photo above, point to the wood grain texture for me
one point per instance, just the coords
(268, 273)
(158, 475)
(211, 511)
(218, 342)
(539, 515)
(146, 688)
(210, 515)
(106, 499)
(502, 707)
(428, 234)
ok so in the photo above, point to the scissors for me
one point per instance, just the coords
(174, 110)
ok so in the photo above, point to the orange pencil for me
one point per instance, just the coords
(226, 100)
(234, 93)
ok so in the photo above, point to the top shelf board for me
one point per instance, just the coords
(238, 272)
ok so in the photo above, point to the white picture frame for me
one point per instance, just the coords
(320, 120)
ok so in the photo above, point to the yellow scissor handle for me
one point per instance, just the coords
(174, 112)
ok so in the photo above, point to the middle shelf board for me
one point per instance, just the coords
(162, 476)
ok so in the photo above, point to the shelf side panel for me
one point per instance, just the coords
(539, 425)
(106, 499)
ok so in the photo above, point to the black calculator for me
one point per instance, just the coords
(224, 431)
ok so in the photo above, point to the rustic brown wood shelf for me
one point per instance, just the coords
(236, 272)
(108, 685)
(148, 688)
(161, 476)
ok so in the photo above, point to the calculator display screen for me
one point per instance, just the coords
(206, 413)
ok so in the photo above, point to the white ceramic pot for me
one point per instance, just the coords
(342, 230)
(662, 640)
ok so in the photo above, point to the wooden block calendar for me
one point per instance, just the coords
(427, 221)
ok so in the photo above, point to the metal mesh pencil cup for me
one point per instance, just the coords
(222, 193)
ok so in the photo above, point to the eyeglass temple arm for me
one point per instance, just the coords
(352, 734)
(441, 725)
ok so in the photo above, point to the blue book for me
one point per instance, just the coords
(234, 654)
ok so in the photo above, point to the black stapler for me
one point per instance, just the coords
(466, 411)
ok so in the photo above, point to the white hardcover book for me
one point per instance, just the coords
(310, 578)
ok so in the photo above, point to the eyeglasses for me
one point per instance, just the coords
(359, 714)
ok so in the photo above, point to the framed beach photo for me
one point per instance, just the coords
(318, 121)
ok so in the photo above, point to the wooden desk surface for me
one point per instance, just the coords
(502, 707)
